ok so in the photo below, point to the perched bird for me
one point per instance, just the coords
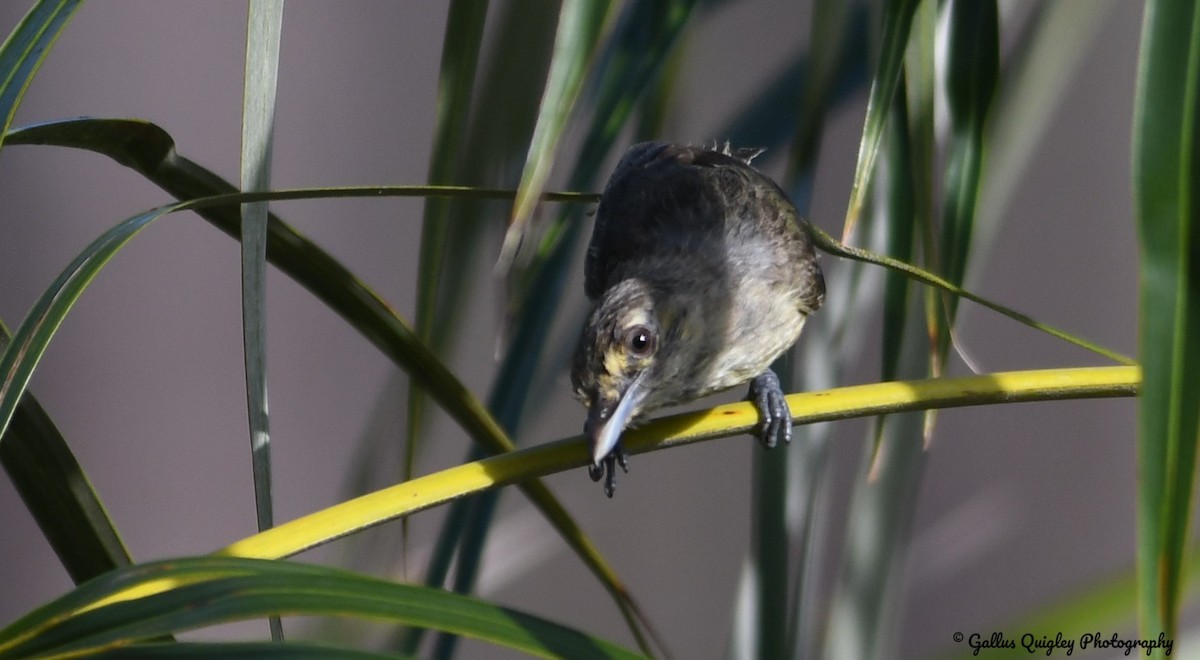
(702, 273)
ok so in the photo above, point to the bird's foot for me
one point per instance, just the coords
(607, 469)
(776, 418)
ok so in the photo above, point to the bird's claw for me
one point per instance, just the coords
(773, 411)
(607, 469)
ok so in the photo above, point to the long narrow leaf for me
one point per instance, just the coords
(580, 25)
(897, 19)
(631, 60)
(460, 55)
(1166, 178)
(58, 493)
(263, 29)
(258, 126)
(23, 51)
(243, 650)
(972, 72)
(192, 593)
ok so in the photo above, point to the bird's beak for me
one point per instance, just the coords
(607, 419)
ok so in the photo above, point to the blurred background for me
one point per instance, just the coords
(1019, 505)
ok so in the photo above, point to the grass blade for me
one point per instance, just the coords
(971, 75)
(897, 19)
(23, 51)
(258, 124)
(247, 650)
(147, 601)
(1031, 90)
(580, 25)
(460, 56)
(1166, 178)
(58, 493)
(21, 356)
(631, 61)
(263, 29)
(767, 121)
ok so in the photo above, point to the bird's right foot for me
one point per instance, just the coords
(607, 469)
(773, 411)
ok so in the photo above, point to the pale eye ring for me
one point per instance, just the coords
(640, 341)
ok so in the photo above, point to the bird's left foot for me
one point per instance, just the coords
(776, 418)
(607, 469)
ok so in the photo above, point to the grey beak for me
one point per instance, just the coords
(605, 422)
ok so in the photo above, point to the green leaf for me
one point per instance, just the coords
(878, 524)
(513, 78)
(58, 493)
(1109, 603)
(247, 650)
(460, 56)
(263, 29)
(146, 601)
(1047, 55)
(897, 19)
(630, 62)
(580, 25)
(830, 31)
(21, 356)
(1166, 181)
(971, 74)
(258, 125)
(768, 121)
(23, 51)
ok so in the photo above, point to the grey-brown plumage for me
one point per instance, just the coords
(702, 274)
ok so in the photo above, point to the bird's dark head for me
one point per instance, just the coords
(628, 356)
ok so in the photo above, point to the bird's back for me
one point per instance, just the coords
(708, 208)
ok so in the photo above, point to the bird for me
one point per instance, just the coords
(701, 273)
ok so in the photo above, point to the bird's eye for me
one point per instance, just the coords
(640, 341)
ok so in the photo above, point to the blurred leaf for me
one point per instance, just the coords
(143, 602)
(1108, 604)
(580, 24)
(972, 70)
(460, 55)
(768, 120)
(499, 135)
(57, 492)
(831, 21)
(904, 165)
(630, 62)
(772, 619)
(247, 650)
(1031, 89)
(23, 51)
(877, 528)
(1166, 178)
(897, 19)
